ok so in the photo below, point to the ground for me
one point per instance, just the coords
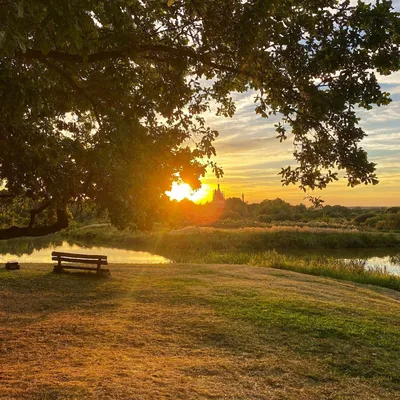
(195, 332)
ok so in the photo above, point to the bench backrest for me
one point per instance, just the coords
(82, 258)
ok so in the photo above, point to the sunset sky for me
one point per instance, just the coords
(251, 156)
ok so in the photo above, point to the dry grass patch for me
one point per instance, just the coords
(195, 332)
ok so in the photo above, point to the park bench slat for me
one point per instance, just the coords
(84, 268)
(80, 260)
(74, 255)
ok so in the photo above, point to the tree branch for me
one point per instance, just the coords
(17, 232)
(42, 58)
(131, 51)
(37, 211)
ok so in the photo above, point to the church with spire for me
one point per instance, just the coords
(218, 200)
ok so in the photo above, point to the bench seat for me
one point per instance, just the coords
(63, 259)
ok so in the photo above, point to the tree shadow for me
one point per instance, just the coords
(48, 293)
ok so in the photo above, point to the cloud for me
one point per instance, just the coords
(237, 146)
(381, 114)
(393, 79)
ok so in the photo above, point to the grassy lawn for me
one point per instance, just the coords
(195, 332)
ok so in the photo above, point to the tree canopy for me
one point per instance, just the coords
(105, 100)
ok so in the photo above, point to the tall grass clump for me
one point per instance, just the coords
(352, 270)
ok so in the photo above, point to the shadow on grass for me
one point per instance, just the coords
(27, 292)
(4, 269)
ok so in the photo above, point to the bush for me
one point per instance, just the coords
(230, 215)
(393, 210)
(360, 219)
(264, 218)
(385, 222)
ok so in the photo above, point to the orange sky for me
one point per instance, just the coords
(251, 156)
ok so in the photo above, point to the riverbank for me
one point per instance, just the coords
(257, 246)
(195, 332)
(347, 270)
(316, 251)
(201, 239)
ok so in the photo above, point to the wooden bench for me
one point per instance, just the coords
(81, 259)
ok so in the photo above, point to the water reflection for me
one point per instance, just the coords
(39, 251)
(373, 258)
(20, 247)
(389, 264)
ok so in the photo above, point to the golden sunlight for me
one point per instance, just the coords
(180, 191)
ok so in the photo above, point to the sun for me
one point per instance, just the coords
(180, 191)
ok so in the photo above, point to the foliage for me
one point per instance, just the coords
(232, 215)
(387, 221)
(360, 219)
(104, 100)
(275, 212)
(264, 218)
(236, 205)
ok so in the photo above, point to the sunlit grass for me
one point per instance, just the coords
(195, 332)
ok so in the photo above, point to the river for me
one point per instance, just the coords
(39, 251)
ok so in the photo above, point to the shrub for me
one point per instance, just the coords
(360, 219)
(264, 218)
(230, 215)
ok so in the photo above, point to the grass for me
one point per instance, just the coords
(353, 270)
(197, 239)
(195, 332)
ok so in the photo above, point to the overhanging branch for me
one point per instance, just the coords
(42, 58)
(131, 51)
(37, 211)
(17, 232)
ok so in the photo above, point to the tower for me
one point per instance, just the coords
(218, 199)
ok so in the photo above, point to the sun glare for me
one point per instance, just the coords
(180, 191)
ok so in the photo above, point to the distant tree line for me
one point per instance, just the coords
(236, 212)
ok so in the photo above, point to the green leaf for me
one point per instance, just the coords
(170, 2)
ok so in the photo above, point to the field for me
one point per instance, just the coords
(195, 332)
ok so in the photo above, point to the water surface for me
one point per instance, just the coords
(380, 258)
(42, 253)
(39, 251)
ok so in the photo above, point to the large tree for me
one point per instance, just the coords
(104, 100)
